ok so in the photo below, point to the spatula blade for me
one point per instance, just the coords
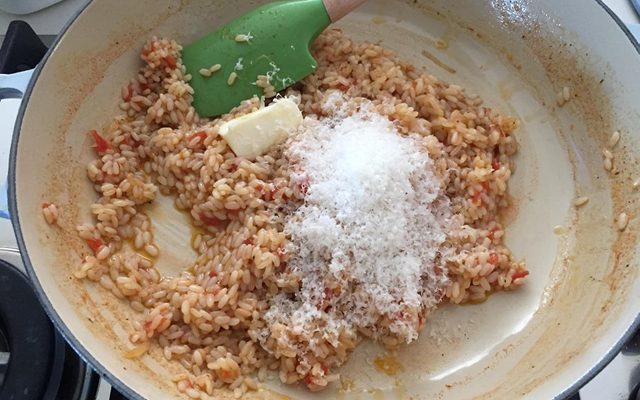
(279, 35)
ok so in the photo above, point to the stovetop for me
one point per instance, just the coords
(60, 374)
(35, 361)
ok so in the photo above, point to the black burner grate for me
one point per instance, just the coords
(21, 49)
(4, 354)
(36, 350)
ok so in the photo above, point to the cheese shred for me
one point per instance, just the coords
(367, 240)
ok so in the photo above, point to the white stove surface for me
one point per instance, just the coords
(8, 112)
(613, 383)
(49, 21)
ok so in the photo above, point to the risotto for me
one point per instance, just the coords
(289, 278)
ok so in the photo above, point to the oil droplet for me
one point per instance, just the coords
(195, 231)
(378, 20)
(141, 252)
(387, 364)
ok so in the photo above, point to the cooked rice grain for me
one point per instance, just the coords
(50, 213)
(210, 318)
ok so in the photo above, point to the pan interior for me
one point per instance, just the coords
(512, 343)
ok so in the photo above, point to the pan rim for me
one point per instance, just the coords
(81, 350)
(613, 351)
(86, 355)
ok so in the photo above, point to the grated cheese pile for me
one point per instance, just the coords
(366, 240)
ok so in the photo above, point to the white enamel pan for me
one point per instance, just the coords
(543, 341)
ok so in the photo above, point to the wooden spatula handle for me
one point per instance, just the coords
(339, 8)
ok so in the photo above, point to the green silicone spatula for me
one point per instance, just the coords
(271, 41)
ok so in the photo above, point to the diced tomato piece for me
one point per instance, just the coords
(213, 221)
(202, 135)
(171, 61)
(129, 94)
(269, 192)
(486, 186)
(324, 368)
(477, 198)
(342, 86)
(327, 293)
(308, 379)
(495, 164)
(45, 205)
(247, 241)
(94, 244)
(213, 274)
(493, 259)
(492, 231)
(519, 274)
(102, 144)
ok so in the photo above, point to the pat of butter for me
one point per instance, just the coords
(253, 134)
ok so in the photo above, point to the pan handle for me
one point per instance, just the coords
(13, 86)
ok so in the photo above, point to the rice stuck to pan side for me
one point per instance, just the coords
(283, 280)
